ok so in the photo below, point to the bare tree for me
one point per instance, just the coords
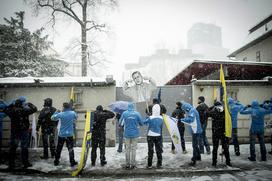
(78, 10)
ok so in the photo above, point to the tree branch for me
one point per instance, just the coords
(52, 6)
(95, 26)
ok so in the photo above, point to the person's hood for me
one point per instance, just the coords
(22, 99)
(156, 109)
(48, 102)
(186, 106)
(2, 105)
(218, 105)
(254, 104)
(130, 106)
(231, 101)
(99, 108)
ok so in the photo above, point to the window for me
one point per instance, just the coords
(258, 56)
(78, 97)
(245, 59)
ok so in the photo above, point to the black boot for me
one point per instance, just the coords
(214, 162)
(193, 163)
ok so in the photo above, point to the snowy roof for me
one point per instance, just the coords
(236, 70)
(49, 81)
(233, 82)
(257, 33)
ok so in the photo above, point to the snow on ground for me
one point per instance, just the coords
(249, 170)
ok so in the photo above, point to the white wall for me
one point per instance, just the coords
(265, 48)
(91, 96)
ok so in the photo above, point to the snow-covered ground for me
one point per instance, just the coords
(172, 163)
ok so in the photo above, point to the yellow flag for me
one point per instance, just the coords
(72, 95)
(228, 125)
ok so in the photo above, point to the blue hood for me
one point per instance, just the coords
(186, 106)
(231, 101)
(2, 105)
(130, 107)
(22, 99)
(254, 104)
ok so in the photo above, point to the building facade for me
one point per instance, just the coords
(258, 45)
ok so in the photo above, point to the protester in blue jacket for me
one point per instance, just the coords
(154, 133)
(234, 108)
(257, 128)
(2, 115)
(67, 118)
(192, 118)
(131, 119)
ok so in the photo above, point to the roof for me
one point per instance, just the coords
(236, 70)
(53, 81)
(261, 23)
(233, 82)
(252, 43)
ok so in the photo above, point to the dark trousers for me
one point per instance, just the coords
(235, 140)
(204, 140)
(51, 137)
(225, 146)
(154, 141)
(195, 144)
(260, 137)
(69, 144)
(182, 140)
(98, 141)
(120, 138)
(23, 137)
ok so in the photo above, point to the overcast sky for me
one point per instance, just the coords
(141, 26)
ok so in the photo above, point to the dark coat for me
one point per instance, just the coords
(202, 109)
(19, 116)
(99, 124)
(44, 119)
(179, 113)
(217, 113)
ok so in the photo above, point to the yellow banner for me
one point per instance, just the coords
(228, 125)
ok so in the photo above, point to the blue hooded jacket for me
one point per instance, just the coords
(192, 118)
(257, 116)
(154, 122)
(130, 119)
(67, 119)
(234, 108)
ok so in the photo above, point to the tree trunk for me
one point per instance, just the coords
(84, 41)
(83, 51)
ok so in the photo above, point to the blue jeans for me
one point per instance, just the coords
(195, 144)
(260, 137)
(120, 138)
(204, 140)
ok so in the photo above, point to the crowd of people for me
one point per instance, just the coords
(129, 122)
